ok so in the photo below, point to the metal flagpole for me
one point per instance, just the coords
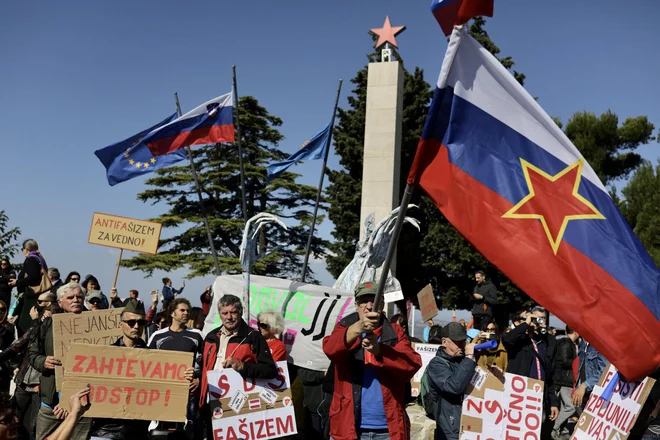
(199, 194)
(385, 269)
(308, 249)
(238, 143)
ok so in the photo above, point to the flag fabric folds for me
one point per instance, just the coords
(313, 149)
(131, 157)
(449, 13)
(209, 123)
(506, 176)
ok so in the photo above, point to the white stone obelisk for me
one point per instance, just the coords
(381, 179)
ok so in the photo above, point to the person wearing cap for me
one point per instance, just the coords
(373, 362)
(449, 375)
(94, 300)
(132, 325)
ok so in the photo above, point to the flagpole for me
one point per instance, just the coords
(218, 272)
(308, 249)
(385, 268)
(238, 144)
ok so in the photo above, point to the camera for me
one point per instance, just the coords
(538, 321)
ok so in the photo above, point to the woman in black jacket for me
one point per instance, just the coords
(6, 275)
(6, 338)
(30, 275)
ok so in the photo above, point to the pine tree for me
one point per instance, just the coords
(218, 170)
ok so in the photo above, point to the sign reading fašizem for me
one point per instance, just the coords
(125, 233)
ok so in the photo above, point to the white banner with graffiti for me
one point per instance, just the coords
(310, 313)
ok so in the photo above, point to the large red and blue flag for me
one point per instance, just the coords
(449, 13)
(507, 177)
(210, 123)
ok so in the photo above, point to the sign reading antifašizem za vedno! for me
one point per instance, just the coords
(125, 233)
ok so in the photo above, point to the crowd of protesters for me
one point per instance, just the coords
(363, 394)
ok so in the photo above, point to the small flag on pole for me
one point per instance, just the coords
(312, 149)
(131, 157)
(209, 123)
(450, 13)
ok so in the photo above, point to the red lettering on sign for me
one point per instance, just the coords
(115, 396)
(224, 386)
(169, 370)
(153, 396)
(101, 394)
(106, 365)
(217, 434)
(515, 402)
(513, 419)
(534, 423)
(79, 360)
(120, 365)
(492, 407)
(91, 367)
(157, 372)
(141, 397)
(129, 393)
(145, 369)
(247, 387)
(181, 374)
(284, 426)
(471, 403)
(518, 384)
(130, 366)
(242, 428)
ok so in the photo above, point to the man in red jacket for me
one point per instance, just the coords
(372, 366)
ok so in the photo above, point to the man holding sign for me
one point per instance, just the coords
(132, 324)
(41, 350)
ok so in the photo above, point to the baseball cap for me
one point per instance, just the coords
(454, 331)
(367, 288)
(94, 294)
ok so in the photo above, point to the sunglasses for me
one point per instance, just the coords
(263, 325)
(95, 301)
(75, 279)
(131, 322)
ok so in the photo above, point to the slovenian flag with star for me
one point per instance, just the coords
(506, 176)
(131, 157)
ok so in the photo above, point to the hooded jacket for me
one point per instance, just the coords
(398, 365)
(247, 346)
(449, 376)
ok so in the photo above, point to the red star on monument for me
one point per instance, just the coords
(387, 33)
(554, 200)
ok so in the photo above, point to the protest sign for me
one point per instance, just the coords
(612, 419)
(129, 383)
(125, 233)
(508, 409)
(251, 408)
(427, 303)
(100, 327)
(310, 312)
(427, 352)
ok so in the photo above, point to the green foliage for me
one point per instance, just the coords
(8, 236)
(218, 170)
(608, 147)
(641, 207)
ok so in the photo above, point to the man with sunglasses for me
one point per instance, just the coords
(132, 325)
(94, 300)
(373, 362)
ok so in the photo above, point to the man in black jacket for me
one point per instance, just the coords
(567, 350)
(484, 298)
(531, 354)
(40, 352)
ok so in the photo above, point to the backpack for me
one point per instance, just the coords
(428, 396)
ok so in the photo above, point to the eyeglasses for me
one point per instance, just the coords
(263, 325)
(131, 322)
(75, 279)
(363, 301)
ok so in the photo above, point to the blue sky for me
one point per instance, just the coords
(76, 76)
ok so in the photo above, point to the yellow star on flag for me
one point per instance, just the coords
(153, 160)
(126, 155)
(138, 165)
(146, 164)
(131, 162)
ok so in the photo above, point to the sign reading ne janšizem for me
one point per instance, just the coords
(125, 233)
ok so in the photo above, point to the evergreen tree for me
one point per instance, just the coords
(8, 237)
(218, 170)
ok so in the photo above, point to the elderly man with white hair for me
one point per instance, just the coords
(270, 325)
(70, 297)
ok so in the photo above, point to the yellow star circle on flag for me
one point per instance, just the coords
(153, 160)
(554, 200)
(131, 162)
(138, 165)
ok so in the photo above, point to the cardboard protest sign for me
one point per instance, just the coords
(125, 233)
(129, 383)
(512, 408)
(248, 408)
(427, 352)
(100, 327)
(613, 419)
(310, 313)
(427, 303)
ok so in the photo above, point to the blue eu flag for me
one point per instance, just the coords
(313, 149)
(131, 157)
